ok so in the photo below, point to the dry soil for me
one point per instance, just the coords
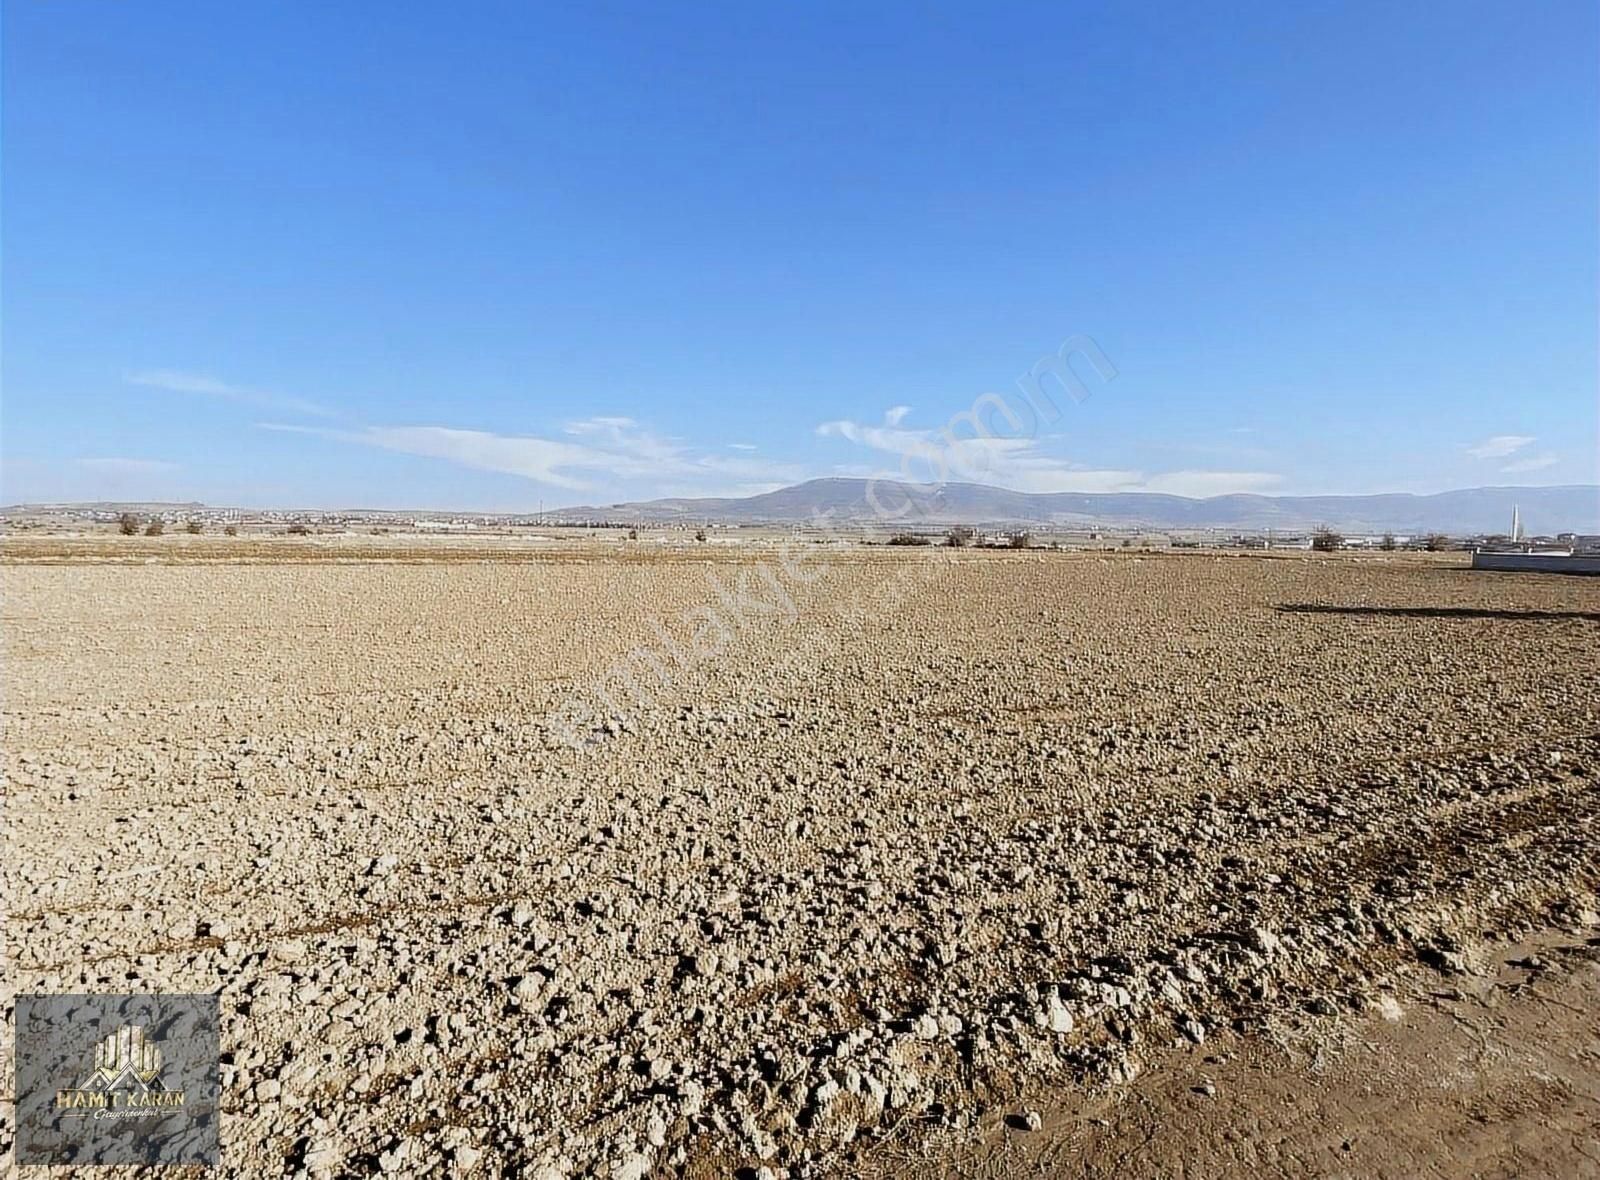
(595, 860)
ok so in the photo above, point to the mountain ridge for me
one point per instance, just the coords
(845, 502)
(1545, 510)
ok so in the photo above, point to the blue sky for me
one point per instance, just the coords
(493, 255)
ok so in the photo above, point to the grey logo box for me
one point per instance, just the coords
(117, 1079)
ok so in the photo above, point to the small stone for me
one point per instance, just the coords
(1265, 941)
(1057, 1017)
(634, 1166)
(527, 990)
(393, 1159)
(1032, 1120)
(321, 1156)
(1447, 960)
(691, 1098)
(926, 1027)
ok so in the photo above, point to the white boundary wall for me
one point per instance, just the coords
(1542, 563)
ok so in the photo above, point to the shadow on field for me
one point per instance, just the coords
(1436, 612)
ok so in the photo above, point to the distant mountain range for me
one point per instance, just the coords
(1471, 511)
(1545, 511)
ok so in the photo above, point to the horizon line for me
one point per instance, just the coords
(540, 511)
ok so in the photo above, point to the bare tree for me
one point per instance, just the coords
(1387, 544)
(959, 537)
(127, 524)
(1325, 540)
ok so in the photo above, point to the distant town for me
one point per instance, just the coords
(163, 519)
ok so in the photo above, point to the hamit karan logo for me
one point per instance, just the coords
(118, 1079)
(126, 1077)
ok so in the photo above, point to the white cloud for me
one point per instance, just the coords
(1019, 464)
(601, 425)
(616, 451)
(896, 415)
(742, 447)
(1499, 446)
(1200, 484)
(173, 381)
(714, 490)
(1532, 463)
(128, 467)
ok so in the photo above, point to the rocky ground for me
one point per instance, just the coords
(1490, 1072)
(709, 860)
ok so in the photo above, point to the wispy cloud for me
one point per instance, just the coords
(896, 415)
(1499, 446)
(1022, 465)
(615, 451)
(1008, 462)
(128, 467)
(198, 385)
(601, 425)
(743, 447)
(1532, 463)
(1200, 484)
